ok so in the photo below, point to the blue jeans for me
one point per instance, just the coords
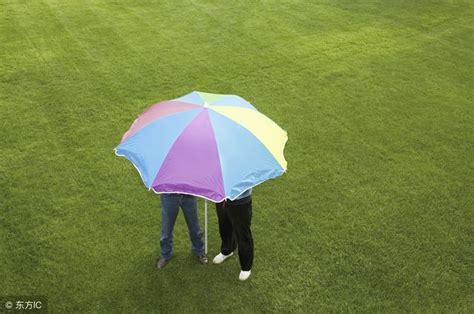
(170, 204)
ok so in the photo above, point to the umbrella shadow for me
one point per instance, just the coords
(183, 285)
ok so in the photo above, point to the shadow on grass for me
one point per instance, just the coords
(183, 285)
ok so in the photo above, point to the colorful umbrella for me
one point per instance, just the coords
(208, 145)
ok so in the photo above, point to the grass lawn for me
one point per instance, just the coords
(375, 212)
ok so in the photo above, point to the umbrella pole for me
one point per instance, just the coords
(205, 225)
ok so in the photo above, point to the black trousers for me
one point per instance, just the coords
(234, 227)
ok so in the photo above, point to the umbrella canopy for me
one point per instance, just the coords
(208, 145)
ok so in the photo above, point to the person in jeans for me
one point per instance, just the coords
(170, 204)
(235, 218)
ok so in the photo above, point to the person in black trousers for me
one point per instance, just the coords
(235, 218)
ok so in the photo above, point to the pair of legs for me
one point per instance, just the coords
(170, 204)
(234, 229)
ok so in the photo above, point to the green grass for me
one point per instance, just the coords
(374, 214)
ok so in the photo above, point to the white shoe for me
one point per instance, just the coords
(221, 257)
(244, 275)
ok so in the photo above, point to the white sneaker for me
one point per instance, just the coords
(221, 257)
(244, 275)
